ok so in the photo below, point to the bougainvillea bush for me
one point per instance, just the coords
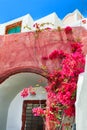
(62, 85)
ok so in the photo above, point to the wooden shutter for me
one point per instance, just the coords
(13, 28)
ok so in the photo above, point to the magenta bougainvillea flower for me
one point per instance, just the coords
(25, 92)
(68, 30)
(28, 91)
(53, 55)
(38, 111)
(44, 58)
(36, 25)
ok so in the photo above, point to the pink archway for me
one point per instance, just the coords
(22, 69)
(24, 52)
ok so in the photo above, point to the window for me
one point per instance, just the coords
(13, 28)
(29, 121)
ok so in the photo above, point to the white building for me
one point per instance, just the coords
(51, 20)
(25, 23)
(18, 25)
(10, 89)
(73, 18)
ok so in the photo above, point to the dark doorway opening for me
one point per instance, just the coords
(29, 121)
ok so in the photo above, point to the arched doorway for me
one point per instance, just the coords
(17, 82)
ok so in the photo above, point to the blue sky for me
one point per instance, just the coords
(12, 9)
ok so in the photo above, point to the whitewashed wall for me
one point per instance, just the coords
(26, 21)
(71, 19)
(51, 18)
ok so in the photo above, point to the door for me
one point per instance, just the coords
(29, 121)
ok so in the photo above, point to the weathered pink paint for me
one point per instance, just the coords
(23, 52)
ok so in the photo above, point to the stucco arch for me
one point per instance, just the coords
(23, 52)
(22, 69)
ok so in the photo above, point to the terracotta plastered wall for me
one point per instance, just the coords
(24, 51)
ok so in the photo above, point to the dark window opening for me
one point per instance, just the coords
(29, 121)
